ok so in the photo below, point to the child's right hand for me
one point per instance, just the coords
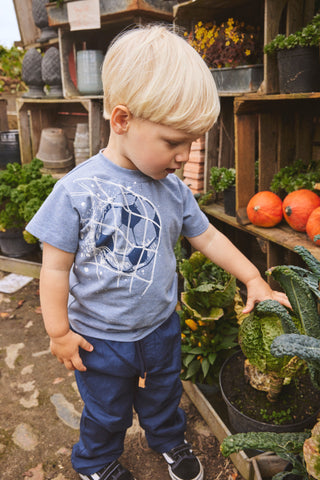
(66, 349)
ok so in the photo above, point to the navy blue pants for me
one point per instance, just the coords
(109, 389)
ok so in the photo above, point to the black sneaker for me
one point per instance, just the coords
(183, 464)
(112, 471)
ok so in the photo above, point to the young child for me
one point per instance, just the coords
(108, 282)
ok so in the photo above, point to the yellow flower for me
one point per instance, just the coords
(227, 43)
(192, 324)
(183, 335)
(248, 52)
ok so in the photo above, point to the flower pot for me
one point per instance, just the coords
(81, 143)
(237, 387)
(89, 64)
(12, 243)
(229, 201)
(53, 151)
(9, 148)
(244, 79)
(299, 70)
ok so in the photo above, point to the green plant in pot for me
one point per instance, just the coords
(298, 58)
(23, 189)
(223, 179)
(296, 176)
(210, 306)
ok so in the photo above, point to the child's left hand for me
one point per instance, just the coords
(259, 290)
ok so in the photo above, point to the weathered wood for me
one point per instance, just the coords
(282, 234)
(268, 138)
(20, 267)
(36, 114)
(211, 154)
(245, 156)
(115, 10)
(3, 115)
(29, 32)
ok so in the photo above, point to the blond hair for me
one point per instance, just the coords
(159, 77)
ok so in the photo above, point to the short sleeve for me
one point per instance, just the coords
(57, 221)
(195, 222)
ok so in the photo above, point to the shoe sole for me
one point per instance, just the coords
(198, 477)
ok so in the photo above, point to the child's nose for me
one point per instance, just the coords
(183, 155)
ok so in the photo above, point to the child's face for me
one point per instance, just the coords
(156, 150)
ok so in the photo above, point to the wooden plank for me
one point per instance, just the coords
(268, 139)
(245, 156)
(282, 234)
(29, 32)
(24, 133)
(21, 267)
(226, 140)
(3, 115)
(210, 154)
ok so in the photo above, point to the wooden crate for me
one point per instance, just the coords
(29, 32)
(36, 114)
(113, 11)
(286, 131)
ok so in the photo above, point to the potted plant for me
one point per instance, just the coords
(298, 58)
(23, 189)
(210, 306)
(271, 333)
(233, 51)
(296, 176)
(223, 179)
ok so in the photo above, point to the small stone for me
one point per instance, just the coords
(27, 387)
(66, 411)
(12, 354)
(32, 401)
(35, 473)
(64, 451)
(24, 437)
(27, 370)
(29, 324)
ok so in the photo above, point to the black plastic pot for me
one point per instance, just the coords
(12, 243)
(241, 423)
(299, 70)
(9, 147)
(229, 201)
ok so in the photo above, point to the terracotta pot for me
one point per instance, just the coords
(53, 151)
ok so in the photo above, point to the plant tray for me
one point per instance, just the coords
(243, 79)
(251, 467)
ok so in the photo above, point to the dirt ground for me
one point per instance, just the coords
(40, 408)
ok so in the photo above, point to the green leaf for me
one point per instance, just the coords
(193, 368)
(205, 365)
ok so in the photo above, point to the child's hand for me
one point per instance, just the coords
(259, 290)
(66, 349)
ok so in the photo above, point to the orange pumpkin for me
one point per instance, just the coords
(297, 207)
(265, 209)
(313, 225)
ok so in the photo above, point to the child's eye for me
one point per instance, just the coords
(173, 143)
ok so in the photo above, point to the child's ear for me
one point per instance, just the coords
(119, 120)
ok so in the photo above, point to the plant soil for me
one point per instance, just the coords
(295, 403)
(35, 443)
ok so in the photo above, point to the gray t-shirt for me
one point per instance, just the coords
(122, 226)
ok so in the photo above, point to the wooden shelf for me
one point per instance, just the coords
(36, 114)
(282, 235)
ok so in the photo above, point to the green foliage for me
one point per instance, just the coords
(296, 176)
(307, 37)
(222, 178)
(302, 288)
(288, 446)
(11, 70)
(23, 189)
(210, 308)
